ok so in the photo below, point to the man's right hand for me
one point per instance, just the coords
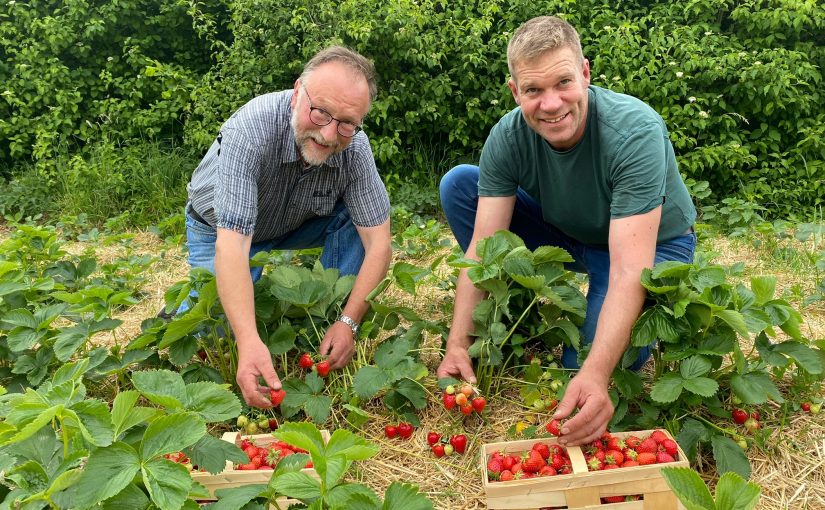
(457, 363)
(254, 360)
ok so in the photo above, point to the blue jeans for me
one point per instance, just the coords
(459, 199)
(336, 233)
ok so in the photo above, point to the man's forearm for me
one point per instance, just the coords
(236, 293)
(467, 296)
(373, 270)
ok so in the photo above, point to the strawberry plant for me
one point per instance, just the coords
(732, 492)
(531, 297)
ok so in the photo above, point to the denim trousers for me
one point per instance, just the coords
(342, 247)
(459, 198)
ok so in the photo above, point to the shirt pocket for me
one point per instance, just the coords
(323, 201)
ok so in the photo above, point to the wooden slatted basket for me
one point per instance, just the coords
(582, 489)
(231, 477)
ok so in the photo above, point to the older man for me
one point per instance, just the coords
(291, 170)
(585, 169)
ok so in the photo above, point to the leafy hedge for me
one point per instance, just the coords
(738, 83)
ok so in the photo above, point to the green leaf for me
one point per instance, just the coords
(19, 339)
(368, 381)
(334, 468)
(282, 340)
(168, 483)
(180, 327)
(804, 356)
(211, 454)
(125, 415)
(297, 485)
(67, 341)
(734, 493)
(317, 408)
(691, 434)
(644, 330)
(96, 419)
(707, 277)
(162, 387)
(405, 496)
(763, 288)
(412, 391)
(169, 434)
(182, 351)
(545, 254)
(735, 320)
(667, 389)
(689, 488)
(390, 353)
(236, 498)
(213, 402)
(755, 388)
(628, 382)
(702, 386)
(130, 498)
(303, 435)
(108, 471)
(42, 419)
(695, 366)
(729, 456)
(351, 446)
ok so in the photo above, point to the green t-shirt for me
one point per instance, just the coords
(623, 166)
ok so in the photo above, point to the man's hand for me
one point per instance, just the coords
(254, 360)
(457, 363)
(590, 396)
(338, 345)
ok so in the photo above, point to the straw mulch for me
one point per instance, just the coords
(790, 468)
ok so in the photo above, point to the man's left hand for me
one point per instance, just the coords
(595, 410)
(338, 345)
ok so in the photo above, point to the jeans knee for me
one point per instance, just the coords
(458, 178)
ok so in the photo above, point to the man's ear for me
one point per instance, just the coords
(586, 71)
(295, 90)
(514, 89)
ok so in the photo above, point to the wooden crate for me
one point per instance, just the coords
(231, 477)
(582, 489)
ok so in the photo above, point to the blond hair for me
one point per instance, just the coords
(352, 59)
(539, 35)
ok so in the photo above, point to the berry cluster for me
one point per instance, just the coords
(403, 430)
(813, 408)
(610, 452)
(252, 425)
(267, 457)
(541, 460)
(306, 362)
(465, 397)
(442, 446)
(749, 421)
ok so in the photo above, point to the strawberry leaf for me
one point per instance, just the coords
(108, 471)
(168, 483)
(211, 454)
(734, 493)
(689, 488)
(755, 388)
(406, 496)
(297, 485)
(729, 456)
(170, 434)
(236, 498)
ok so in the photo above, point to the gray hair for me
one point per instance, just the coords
(354, 60)
(539, 35)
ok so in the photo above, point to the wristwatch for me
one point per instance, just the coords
(349, 322)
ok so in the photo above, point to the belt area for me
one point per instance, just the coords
(191, 212)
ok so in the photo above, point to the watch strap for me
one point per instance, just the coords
(349, 322)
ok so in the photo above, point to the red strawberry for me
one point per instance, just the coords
(305, 361)
(505, 476)
(478, 404)
(438, 450)
(449, 400)
(276, 397)
(323, 368)
(557, 461)
(459, 442)
(543, 450)
(646, 458)
(670, 446)
(756, 416)
(466, 410)
(614, 457)
(405, 430)
(273, 424)
(534, 462)
(615, 443)
(664, 457)
(632, 442)
(613, 499)
(547, 471)
(658, 436)
(629, 463)
(495, 465)
(649, 445)
(554, 427)
(594, 464)
(433, 437)
(806, 406)
(390, 431)
(739, 416)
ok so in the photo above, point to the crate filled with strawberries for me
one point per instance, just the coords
(617, 469)
(264, 452)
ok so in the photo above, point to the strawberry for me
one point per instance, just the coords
(751, 424)
(478, 404)
(276, 397)
(557, 461)
(534, 462)
(438, 450)
(322, 368)
(659, 436)
(554, 427)
(664, 457)
(632, 442)
(466, 410)
(305, 361)
(505, 476)
(547, 471)
(806, 406)
(613, 499)
(629, 463)
(543, 450)
(459, 442)
(594, 464)
(467, 390)
(739, 416)
(616, 444)
(508, 462)
(614, 457)
(449, 400)
(390, 431)
(646, 458)
(405, 430)
(756, 416)
(433, 437)
(670, 446)
(461, 399)
(495, 465)
(649, 445)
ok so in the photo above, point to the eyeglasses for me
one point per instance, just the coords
(321, 117)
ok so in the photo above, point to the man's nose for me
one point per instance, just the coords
(550, 101)
(330, 131)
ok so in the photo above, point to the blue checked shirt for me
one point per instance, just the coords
(253, 181)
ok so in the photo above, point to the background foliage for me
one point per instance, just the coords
(738, 83)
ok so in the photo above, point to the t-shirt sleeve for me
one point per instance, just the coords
(497, 167)
(365, 196)
(236, 186)
(639, 172)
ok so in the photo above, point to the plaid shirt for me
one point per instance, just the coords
(253, 181)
